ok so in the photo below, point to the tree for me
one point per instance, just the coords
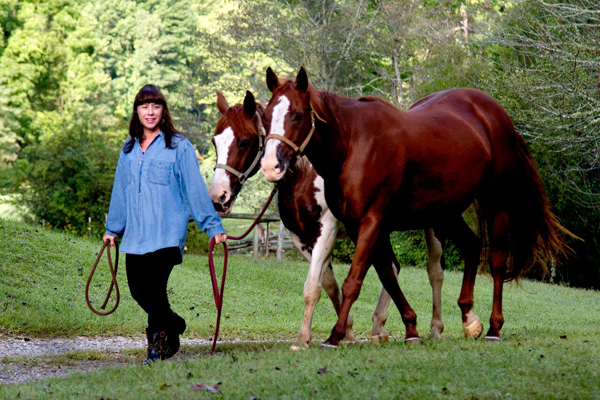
(547, 62)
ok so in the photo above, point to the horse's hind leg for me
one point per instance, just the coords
(470, 247)
(378, 332)
(498, 233)
(436, 280)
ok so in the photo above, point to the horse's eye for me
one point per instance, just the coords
(244, 144)
(298, 116)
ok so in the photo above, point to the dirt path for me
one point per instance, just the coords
(23, 359)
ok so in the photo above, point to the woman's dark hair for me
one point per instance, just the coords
(150, 94)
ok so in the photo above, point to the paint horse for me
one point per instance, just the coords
(239, 143)
(386, 169)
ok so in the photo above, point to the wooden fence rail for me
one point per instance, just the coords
(268, 242)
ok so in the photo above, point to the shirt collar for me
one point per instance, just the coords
(161, 134)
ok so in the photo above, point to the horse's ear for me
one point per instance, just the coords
(249, 104)
(222, 103)
(302, 79)
(272, 80)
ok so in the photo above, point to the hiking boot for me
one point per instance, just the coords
(156, 346)
(172, 342)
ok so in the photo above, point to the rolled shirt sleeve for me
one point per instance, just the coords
(117, 212)
(194, 192)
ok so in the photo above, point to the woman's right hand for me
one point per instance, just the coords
(111, 239)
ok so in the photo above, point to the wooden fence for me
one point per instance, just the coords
(263, 241)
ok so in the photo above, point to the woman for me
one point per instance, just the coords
(157, 187)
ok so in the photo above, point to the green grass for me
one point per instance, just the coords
(550, 346)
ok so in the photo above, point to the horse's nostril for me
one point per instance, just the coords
(223, 198)
(278, 166)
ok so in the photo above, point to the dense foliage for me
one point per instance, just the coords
(69, 70)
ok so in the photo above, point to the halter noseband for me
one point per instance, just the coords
(298, 150)
(243, 176)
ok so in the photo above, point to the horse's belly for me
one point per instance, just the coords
(425, 198)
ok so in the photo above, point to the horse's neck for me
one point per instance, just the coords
(329, 148)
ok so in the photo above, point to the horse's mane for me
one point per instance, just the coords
(236, 116)
(327, 107)
(373, 98)
(303, 164)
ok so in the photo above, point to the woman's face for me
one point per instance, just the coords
(150, 115)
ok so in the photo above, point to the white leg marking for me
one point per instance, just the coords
(436, 280)
(378, 332)
(320, 257)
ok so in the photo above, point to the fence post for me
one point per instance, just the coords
(267, 241)
(90, 227)
(280, 241)
(256, 238)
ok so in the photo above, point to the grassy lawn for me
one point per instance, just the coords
(550, 346)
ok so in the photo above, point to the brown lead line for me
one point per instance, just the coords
(218, 294)
(113, 283)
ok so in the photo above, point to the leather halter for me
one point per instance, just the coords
(243, 176)
(298, 150)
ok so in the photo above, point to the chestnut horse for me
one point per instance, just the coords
(238, 140)
(385, 170)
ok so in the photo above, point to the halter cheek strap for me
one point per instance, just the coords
(243, 176)
(298, 150)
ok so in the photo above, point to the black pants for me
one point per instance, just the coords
(147, 275)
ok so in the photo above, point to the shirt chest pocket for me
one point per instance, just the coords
(159, 172)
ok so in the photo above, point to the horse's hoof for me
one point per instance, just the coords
(349, 338)
(492, 339)
(474, 329)
(381, 338)
(413, 340)
(327, 346)
(297, 347)
(435, 334)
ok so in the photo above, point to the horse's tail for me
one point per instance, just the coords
(536, 236)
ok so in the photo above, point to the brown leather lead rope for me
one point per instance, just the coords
(113, 282)
(218, 294)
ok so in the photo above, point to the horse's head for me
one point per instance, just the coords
(239, 143)
(290, 121)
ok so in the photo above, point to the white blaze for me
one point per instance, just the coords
(223, 142)
(279, 112)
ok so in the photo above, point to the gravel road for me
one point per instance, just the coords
(24, 359)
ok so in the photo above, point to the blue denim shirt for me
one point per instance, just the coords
(155, 193)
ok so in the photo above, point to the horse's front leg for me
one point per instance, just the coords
(382, 262)
(332, 289)
(367, 237)
(319, 260)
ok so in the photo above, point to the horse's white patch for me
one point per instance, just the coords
(223, 142)
(329, 224)
(319, 184)
(279, 112)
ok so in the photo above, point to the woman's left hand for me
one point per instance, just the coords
(220, 238)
